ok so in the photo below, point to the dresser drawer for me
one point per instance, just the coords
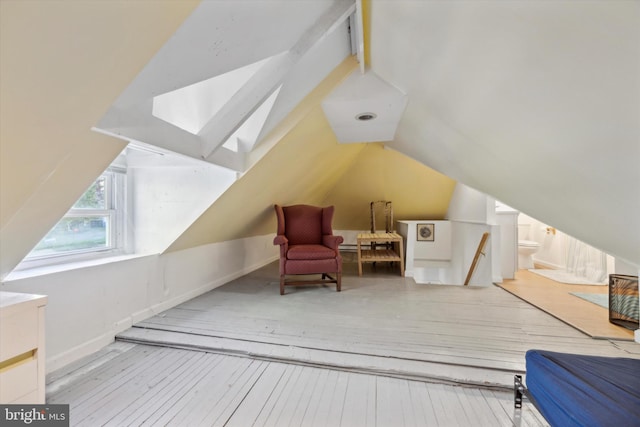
(19, 382)
(18, 333)
(22, 348)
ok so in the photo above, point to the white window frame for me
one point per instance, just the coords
(115, 210)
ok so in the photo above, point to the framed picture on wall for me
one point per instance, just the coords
(426, 232)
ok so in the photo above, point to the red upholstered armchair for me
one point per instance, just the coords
(307, 245)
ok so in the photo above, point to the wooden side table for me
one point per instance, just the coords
(380, 255)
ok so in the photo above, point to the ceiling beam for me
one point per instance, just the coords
(138, 124)
(267, 80)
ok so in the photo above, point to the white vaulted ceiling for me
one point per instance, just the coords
(536, 103)
(241, 53)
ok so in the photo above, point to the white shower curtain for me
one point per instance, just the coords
(586, 261)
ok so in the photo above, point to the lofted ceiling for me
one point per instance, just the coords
(291, 47)
(306, 164)
(534, 103)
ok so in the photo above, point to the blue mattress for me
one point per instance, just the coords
(578, 390)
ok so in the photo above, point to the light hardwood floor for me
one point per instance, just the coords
(384, 351)
(555, 298)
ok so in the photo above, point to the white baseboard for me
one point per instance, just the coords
(165, 305)
(85, 349)
(78, 352)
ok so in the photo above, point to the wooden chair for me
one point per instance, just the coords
(385, 207)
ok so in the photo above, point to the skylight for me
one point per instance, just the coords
(191, 107)
(246, 136)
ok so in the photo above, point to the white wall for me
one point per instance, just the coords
(471, 205)
(448, 258)
(473, 214)
(88, 306)
(427, 261)
(167, 193)
(466, 237)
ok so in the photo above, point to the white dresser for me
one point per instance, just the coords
(22, 351)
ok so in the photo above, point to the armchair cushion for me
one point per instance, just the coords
(310, 252)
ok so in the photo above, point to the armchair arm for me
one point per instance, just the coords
(332, 241)
(282, 240)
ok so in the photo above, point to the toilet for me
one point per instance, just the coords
(526, 248)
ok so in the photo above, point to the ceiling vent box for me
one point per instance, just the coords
(364, 108)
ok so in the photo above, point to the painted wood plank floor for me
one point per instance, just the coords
(139, 385)
(381, 317)
(321, 358)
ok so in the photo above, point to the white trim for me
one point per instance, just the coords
(78, 352)
(165, 305)
(171, 284)
(43, 270)
(115, 211)
(107, 338)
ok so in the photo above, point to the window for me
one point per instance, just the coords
(94, 226)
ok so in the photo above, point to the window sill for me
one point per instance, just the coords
(62, 267)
